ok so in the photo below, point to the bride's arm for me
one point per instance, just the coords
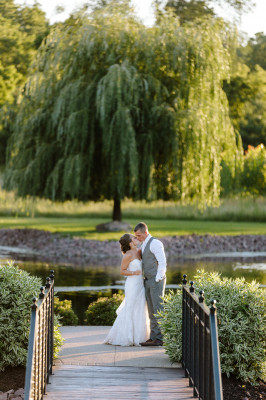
(124, 265)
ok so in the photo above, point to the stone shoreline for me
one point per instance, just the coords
(47, 247)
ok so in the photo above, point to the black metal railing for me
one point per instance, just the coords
(200, 347)
(41, 342)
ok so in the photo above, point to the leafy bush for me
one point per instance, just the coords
(241, 315)
(103, 311)
(58, 339)
(64, 311)
(17, 290)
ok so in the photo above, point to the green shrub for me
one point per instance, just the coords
(64, 310)
(58, 339)
(103, 311)
(241, 315)
(17, 288)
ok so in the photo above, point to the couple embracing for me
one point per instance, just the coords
(136, 323)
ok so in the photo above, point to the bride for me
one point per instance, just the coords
(132, 324)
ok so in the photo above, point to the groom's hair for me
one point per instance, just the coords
(141, 226)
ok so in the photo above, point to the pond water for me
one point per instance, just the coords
(83, 285)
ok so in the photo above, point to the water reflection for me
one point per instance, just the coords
(67, 275)
(71, 276)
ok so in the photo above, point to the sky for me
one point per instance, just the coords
(250, 23)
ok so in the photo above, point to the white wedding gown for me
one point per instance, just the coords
(132, 324)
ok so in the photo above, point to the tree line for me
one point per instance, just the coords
(101, 106)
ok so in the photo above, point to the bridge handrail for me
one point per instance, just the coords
(41, 342)
(200, 346)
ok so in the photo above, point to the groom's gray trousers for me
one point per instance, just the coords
(154, 291)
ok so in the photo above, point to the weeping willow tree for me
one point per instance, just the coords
(113, 109)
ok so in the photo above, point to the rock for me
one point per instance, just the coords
(20, 392)
(11, 394)
(53, 248)
(114, 226)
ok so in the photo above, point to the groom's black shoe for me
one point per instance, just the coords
(151, 342)
(147, 343)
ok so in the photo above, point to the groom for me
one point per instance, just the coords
(154, 268)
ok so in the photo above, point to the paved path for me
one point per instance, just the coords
(84, 346)
(87, 369)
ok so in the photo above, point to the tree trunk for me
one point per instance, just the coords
(117, 216)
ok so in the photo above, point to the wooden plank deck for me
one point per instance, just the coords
(76, 382)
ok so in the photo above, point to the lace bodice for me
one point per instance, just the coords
(135, 265)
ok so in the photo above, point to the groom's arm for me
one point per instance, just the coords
(157, 249)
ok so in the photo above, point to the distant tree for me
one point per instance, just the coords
(253, 53)
(246, 91)
(252, 125)
(189, 10)
(113, 109)
(22, 29)
(253, 177)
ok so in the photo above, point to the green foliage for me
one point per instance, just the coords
(17, 291)
(22, 29)
(241, 315)
(191, 10)
(253, 178)
(254, 52)
(63, 309)
(246, 94)
(252, 126)
(147, 118)
(58, 338)
(103, 311)
(246, 91)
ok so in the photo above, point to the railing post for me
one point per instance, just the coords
(201, 344)
(184, 325)
(215, 353)
(191, 335)
(47, 321)
(52, 322)
(30, 365)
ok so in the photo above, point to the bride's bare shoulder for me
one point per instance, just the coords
(128, 255)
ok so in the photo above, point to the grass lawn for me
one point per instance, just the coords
(85, 227)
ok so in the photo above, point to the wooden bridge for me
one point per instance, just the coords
(125, 383)
(87, 369)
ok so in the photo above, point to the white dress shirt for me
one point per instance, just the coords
(156, 248)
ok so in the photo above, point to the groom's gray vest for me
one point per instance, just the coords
(149, 261)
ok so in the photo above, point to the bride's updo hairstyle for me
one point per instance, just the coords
(124, 242)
